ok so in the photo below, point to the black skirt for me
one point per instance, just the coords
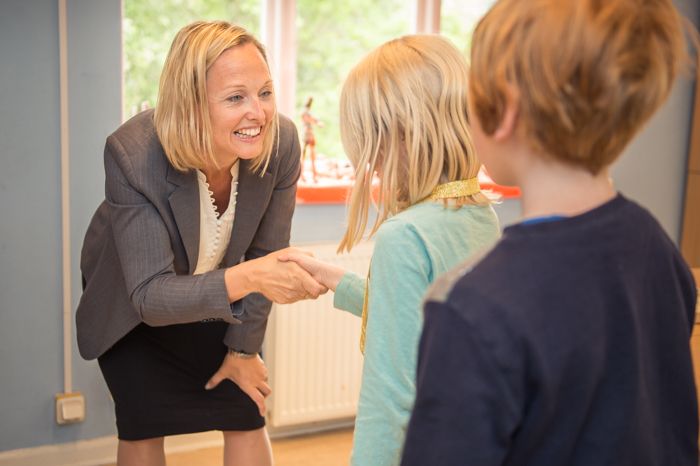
(156, 376)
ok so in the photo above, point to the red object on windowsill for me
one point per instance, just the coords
(334, 191)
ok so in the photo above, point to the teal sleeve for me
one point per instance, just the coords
(350, 294)
(400, 274)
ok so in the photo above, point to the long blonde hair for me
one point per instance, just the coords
(181, 115)
(403, 116)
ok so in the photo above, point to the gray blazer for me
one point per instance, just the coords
(142, 244)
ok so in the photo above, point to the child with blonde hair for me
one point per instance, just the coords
(567, 344)
(403, 120)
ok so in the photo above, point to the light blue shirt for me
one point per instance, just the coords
(411, 249)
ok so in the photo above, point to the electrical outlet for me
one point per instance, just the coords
(70, 407)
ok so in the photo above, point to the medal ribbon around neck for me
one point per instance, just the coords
(460, 188)
(453, 189)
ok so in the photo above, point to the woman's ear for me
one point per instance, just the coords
(509, 122)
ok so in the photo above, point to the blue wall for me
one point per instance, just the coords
(652, 171)
(30, 280)
(31, 328)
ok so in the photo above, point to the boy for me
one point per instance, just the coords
(567, 344)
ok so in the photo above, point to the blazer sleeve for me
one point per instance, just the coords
(146, 256)
(273, 234)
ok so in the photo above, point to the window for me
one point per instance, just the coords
(332, 37)
(311, 45)
(458, 19)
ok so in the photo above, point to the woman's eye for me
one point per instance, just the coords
(235, 98)
(265, 93)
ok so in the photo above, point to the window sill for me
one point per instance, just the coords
(329, 191)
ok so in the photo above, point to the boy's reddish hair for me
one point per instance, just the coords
(588, 73)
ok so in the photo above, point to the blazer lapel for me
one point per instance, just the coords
(253, 196)
(184, 202)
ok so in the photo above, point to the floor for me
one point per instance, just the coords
(324, 449)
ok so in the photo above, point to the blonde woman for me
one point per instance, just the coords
(403, 119)
(178, 262)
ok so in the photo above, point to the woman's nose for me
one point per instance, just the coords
(255, 110)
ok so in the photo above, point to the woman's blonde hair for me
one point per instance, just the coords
(182, 112)
(588, 73)
(403, 116)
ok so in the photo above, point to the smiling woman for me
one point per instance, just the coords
(241, 103)
(176, 293)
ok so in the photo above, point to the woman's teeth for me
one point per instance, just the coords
(248, 132)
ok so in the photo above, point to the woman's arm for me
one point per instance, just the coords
(144, 249)
(136, 187)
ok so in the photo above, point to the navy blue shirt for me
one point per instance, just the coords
(567, 344)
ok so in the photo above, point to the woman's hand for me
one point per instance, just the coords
(326, 274)
(280, 282)
(250, 374)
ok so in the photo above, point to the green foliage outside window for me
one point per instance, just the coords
(332, 37)
(149, 27)
(458, 19)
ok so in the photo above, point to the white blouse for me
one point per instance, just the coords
(214, 230)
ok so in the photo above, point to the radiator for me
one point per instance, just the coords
(312, 352)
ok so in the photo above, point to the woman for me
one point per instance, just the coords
(178, 263)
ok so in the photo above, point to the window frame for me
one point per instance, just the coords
(279, 36)
(278, 26)
(278, 32)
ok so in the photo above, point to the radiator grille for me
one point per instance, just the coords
(312, 352)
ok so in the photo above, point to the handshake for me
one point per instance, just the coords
(287, 276)
(283, 277)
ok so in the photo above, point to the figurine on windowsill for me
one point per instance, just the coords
(309, 121)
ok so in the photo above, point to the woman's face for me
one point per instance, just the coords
(241, 103)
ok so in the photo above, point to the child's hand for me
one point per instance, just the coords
(326, 274)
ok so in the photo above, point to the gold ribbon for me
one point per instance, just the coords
(365, 308)
(460, 188)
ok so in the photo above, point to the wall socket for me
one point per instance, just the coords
(70, 407)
